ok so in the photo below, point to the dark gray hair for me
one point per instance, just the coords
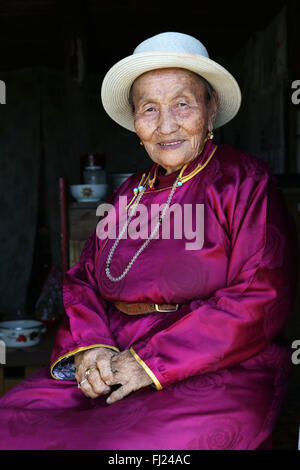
(209, 91)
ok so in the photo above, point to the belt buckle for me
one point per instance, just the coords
(165, 310)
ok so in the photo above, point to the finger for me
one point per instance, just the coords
(117, 378)
(81, 370)
(122, 392)
(107, 374)
(97, 384)
(87, 390)
(79, 361)
(104, 368)
(79, 374)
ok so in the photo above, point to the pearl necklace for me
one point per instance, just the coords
(132, 212)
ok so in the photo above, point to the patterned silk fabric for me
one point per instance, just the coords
(220, 365)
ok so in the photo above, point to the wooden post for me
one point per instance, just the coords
(63, 228)
(1, 380)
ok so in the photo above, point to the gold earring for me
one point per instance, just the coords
(141, 143)
(210, 135)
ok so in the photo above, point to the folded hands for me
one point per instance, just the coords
(108, 368)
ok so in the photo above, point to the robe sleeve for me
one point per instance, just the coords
(85, 323)
(243, 317)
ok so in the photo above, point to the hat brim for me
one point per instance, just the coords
(119, 79)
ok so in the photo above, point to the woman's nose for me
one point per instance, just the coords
(167, 122)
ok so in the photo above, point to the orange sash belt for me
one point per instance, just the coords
(142, 308)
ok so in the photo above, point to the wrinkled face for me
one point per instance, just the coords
(172, 115)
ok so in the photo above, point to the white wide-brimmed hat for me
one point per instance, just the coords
(163, 51)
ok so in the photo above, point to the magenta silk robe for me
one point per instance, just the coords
(219, 365)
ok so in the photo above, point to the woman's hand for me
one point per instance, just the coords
(127, 372)
(99, 360)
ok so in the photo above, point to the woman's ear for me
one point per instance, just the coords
(213, 111)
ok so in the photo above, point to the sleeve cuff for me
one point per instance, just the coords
(147, 369)
(63, 368)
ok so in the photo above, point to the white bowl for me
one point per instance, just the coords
(21, 333)
(88, 192)
(118, 178)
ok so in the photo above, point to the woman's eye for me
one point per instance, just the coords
(150, 109)
(181, 105)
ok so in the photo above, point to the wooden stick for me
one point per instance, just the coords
(63, 228)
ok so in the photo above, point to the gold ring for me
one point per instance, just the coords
(88, 371)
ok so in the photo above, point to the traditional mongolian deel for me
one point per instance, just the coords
(219, 365)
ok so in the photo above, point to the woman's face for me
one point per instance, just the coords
(171, 115)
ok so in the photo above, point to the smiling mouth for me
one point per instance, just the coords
(171, 144)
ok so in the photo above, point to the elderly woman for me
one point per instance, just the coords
(169, 343)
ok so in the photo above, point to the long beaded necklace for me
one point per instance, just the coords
(132, 211)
